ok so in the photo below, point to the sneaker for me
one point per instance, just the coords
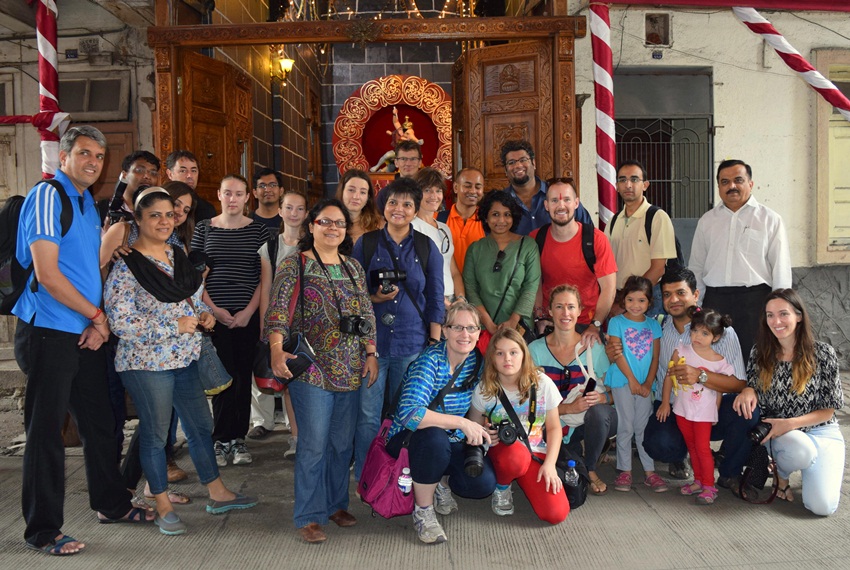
(679, 470)
(428, 529)
(503, 502)
(654, 482)
(726, 482)
(170, 524)
(258, 432)
(623, 482)
(293, 444)
(444, 503)
(222, 450)
(241, 456)
(240, 501)
(707, 497)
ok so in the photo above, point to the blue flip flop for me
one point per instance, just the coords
(54, 547)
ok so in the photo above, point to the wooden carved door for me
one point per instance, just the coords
(519, 90)
(215, 120)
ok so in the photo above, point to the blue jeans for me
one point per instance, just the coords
(154, 393)
(325, 443)
(432, 455)
(664, 441)
(390, 374)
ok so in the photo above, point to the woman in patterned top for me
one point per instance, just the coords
(794, 380)
(158, 351)
(325, 396)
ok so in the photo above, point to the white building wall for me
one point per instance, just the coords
(764, 112)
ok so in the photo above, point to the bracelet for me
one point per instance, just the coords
(271, 344)
(96, 313)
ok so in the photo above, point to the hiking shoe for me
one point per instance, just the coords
(726, 482)
(503, 502)
(293, 445)
(258, 432)
(239, 502)
(623, 482)
(654, 482)
(708, 496)
(679, 470)
(444, 503)
(222, 450)
(428, 529)
(174, 473)
(241, 455)
(170, 524)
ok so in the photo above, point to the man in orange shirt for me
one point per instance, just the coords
(462, 219)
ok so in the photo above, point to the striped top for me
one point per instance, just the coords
(235, 265)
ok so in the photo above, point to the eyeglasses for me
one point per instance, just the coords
(141, 171)
(472, 329)
(263, 185)
(499, 258)
(326, 223)
(407, 159)
(524, 161)
(632, 179)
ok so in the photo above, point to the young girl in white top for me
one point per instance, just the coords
(509, 370)
(696, 406)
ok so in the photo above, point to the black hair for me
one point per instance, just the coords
(139, 155)
(157, 193)
(709, 319)
(172, 158)
(514, 146)
(404, 186)
(265, 172)
(633, 162)
(305, 243)
(679, 275)
(506, 200)
(636, 283)
(734, 162)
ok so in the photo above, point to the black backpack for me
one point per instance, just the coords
(673, 264)
(13, 276)
(587, 239)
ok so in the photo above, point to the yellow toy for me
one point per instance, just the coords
(671, 364)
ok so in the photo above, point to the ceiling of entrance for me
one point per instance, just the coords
(17, 17)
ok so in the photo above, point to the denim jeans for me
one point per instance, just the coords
(325, 442)
(819, 456)
(371, 404)
(154, 393)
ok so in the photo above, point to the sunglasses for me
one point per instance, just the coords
(500, 257)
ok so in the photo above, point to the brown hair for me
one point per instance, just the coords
(177, 190)
(370, 218)
(490, 385)
(564, 288)
(768, 348)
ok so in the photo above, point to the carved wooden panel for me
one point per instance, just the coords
(500, 128)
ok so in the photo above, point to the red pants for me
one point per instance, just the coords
(698, 437)
(514, 462)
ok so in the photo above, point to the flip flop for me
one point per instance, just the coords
(54, 547)
(133, 516)
(176, 498)
(785, 494)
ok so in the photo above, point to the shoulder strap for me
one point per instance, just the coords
(422, 246)
(587, 238)
(511, 278)
(588, 372)
(647, 222)
(614, 221)
(272, 247)
(66, 218)
(532, 415)
(540, 238)
(370, 244)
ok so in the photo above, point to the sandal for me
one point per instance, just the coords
(692, 489)
(133, 516)
(598, 486)
(785, 494)
(708, 496)
(54, 547)
(175, 497)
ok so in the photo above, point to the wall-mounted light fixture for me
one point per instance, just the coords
(279, 65)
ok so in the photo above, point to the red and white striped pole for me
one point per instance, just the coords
(603, 89)
(51, 123)
(827, 89)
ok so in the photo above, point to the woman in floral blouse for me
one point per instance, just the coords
(794, 380)
(146, 300)
(325, 396)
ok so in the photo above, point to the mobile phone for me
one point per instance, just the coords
(589, 386)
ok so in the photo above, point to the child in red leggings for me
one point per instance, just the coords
(509, 372)
(696, 406)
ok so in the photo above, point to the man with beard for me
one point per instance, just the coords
(462, 219)
(563, 259)
(740, 252)
(268, 185)
(528, 189)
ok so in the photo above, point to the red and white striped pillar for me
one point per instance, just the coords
(50, 122)
(603, 89)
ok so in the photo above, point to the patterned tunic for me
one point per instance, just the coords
(339, 356)
(823, 390)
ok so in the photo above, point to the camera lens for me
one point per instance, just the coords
(760, 432)
(388, 319)
(507, 433)
(473, 461)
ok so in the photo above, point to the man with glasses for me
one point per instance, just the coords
(137, 169)
(636, 252)
(527, 188)
(268, 185)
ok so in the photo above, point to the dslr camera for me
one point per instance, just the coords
(507, 432)
(473, 460)
(355, 324)
(387, 278)
(760, 432)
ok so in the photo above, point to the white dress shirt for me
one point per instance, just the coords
(741, 249)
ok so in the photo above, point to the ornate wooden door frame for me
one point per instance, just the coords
(167, 40)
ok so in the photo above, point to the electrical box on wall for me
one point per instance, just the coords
(657, 29)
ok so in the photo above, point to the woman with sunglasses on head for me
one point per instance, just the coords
(794, 380)
(433, 192)
(438, 438)
(355, 192)
(325, 396)
(153, 301)
(501, 273)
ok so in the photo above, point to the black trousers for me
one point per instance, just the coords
(745, 305)
(232, 407)
(62, 376)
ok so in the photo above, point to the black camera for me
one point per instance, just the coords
(355, 324)
(507, 432)
(473, 460)
(760, 432)
(386, 278)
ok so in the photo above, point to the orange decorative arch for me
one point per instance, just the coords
(373, 101)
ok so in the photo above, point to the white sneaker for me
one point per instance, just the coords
(222, 450)
(503, 502)
(427, 527)
(444, 503)
(241, 456)
(293, 443)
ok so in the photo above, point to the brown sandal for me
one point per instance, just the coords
(175, 497)
(598, 486)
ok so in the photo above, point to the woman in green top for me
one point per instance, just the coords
(501, 272)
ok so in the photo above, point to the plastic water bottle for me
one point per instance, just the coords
(405, 481)
(571, 475)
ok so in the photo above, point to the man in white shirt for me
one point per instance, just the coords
(740, 252)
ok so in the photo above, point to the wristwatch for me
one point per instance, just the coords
(703, 377)
(375, 354)
(597, 324)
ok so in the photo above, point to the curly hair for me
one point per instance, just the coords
(490, 384)
(506, 200)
